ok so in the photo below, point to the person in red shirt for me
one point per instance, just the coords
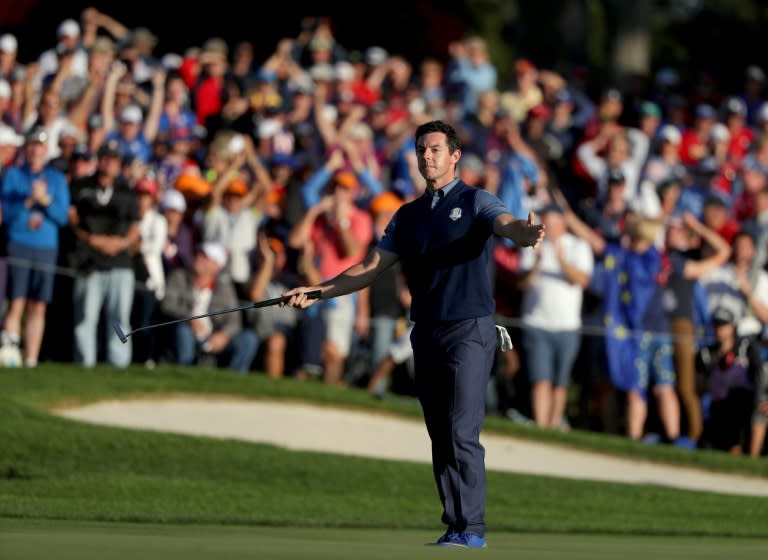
(695, 140)
(204, 76)
(741, 136)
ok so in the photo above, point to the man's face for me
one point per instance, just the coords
(36, 152)
(435, 160)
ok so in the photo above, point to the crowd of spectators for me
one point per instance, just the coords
(141, 187)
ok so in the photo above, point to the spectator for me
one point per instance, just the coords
(695, 139)
(741, 136)
(341, 234)
(626, 150)
(525, 92)
(104, 217)
(639, 347)
(133, 131)
(553, 279)
(221, 339)
(204, 76)
(469, 72)
(9, 51)
(35, 200)
(730, 366)
(275, 328)
(49, 116)
(148, 266)
(178, 249)
(686, 306)
(663, 162)
(740, 287)
(232, 217)
(69, 37)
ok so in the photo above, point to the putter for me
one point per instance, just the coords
(123, 336)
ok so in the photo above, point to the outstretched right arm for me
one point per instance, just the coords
(355, 278)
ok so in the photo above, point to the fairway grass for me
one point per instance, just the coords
(70, 490)
(43, 540)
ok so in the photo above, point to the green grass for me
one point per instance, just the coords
(61, 481)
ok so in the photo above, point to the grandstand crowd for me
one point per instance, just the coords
(140, 187)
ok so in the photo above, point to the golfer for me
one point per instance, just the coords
(443, 241)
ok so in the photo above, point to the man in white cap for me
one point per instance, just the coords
(69, 39)
(9, 50)
(218, 340)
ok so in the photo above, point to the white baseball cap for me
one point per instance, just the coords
(670, 133)
(68, 28)
(344, 71)
(8, 43)
(8, 137)
(215, 252)
(173, 200)
(131, 114)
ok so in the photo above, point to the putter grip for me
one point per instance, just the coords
(314, 294)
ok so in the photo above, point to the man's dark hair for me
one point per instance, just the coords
(451, 137)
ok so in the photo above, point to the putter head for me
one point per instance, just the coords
(119, 331)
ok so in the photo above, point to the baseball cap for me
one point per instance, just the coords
(385, 201)
(215, 252)
(612, 94)
(375, 56)
(37, 134)
(8, 137)
(131, 114)
(755, 73)
(173, 200)
(735, 106)
(344, 71)
(650, 109)
(8, 43)
(68, 28)
(146, 185)
(111, 148)
(236, 187)
(670, 133)
(705, 111)
(346, 179)
(723, 316)
(82, 151)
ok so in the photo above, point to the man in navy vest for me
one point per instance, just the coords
(443, 241)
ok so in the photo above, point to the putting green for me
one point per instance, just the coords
(43, 540)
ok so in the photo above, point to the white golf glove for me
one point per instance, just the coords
(502, 339)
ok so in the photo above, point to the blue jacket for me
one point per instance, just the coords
(15, 189)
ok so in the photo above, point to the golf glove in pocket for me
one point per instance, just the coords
(502, 339)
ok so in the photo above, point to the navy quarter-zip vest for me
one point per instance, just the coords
(445, 253)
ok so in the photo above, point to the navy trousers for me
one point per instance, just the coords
(452, 364)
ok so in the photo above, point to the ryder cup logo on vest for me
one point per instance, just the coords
(455, 214)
